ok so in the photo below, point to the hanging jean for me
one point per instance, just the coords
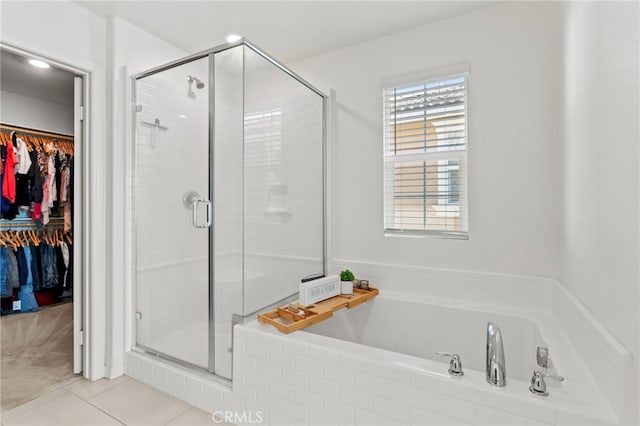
(27, 299)
(62, 269)
(5, 289)
(13, 275)
(23, 271)
(36, 267)
(49, 266)
(68, 282)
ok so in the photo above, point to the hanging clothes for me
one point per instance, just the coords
(50, 192)
(61, 268)
(42, 178)
(45, 209)
(3, 201)
(68, 280)
(7, 201)
(58, 164)
(9, 273)
(36, 181)
(23, 270)
(23, 199)
(35, 275)
(68, 208)
(13, 273)
(5, 289)
(9, 182)
(35, 173)
(27, 299)
(36, 267)
(49, 266)
(24, 159)
(24, 176)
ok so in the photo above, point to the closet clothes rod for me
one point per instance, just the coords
(7, 128)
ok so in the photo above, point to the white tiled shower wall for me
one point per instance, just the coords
(282, 181)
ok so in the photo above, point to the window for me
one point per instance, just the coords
(425, 158)
(263, 138)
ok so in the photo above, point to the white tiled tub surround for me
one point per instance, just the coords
(307, 377)
(304, 378)
(605, 358)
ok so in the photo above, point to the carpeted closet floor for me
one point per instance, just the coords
(36, 353)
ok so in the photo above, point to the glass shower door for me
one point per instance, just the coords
(173, 213)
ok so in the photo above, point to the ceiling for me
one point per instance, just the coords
(18, 76)
(287, 30)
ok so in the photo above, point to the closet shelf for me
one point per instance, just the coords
(22, 223)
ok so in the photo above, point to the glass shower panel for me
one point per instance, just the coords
(283, 183)
(228, 175)
(171, 190)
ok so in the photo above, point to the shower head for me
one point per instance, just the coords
(199, 83)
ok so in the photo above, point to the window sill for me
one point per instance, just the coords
(426, 234)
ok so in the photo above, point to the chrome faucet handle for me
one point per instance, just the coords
(455, 364)
(538, 385)
(542, 357)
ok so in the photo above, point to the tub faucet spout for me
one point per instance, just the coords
(496, 370)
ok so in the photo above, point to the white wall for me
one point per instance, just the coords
(513, 217)
(25, 111)
(599, 134)
(554, 152)
(68, 33)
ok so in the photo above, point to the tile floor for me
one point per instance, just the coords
(122, 401)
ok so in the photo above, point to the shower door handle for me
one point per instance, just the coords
(207, 224)
(195, 213)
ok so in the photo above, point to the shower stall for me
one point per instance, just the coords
(228, 198)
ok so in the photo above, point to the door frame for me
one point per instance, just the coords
(82, 204)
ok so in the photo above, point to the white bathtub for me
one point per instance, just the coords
(421, 330)
(375, 364)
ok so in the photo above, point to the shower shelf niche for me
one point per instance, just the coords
(287, 321)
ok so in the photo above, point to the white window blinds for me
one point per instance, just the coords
(425, 157)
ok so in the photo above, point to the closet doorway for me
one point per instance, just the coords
(42, 128)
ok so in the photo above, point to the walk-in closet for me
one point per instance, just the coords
(38, 126)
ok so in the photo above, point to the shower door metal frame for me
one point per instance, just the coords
(210, 53)
(134, 261)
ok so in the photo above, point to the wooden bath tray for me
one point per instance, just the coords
(286, 321)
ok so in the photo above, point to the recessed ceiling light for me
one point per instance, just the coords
(38, 63)
(233, 38)
(182, 116)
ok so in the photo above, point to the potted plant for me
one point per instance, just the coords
(346, 282)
